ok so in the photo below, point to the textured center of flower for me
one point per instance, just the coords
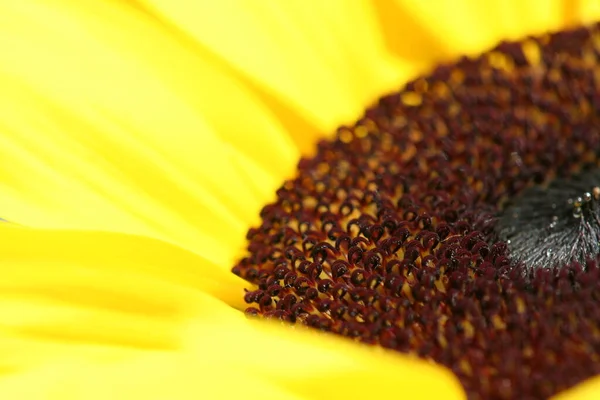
(554, 225)
(397, 232)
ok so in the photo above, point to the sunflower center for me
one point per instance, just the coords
(389, 235)
(554, 225)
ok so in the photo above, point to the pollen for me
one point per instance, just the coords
(395, 232)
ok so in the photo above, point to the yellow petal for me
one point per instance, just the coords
(116, 134)
(243, 364)
(222, 359)
(99, 307)
(588, 390)
(43, 369)
(316, 365)
(471, 26)
(408, 38)
(588, 11)
(319, 63)
(104, 287)
(150, 377)
(20, 352)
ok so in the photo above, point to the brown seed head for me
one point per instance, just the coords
(388, 235)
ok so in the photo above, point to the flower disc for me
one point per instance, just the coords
(413, 228)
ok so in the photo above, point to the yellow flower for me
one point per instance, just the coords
(139, 141)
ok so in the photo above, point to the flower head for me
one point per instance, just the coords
(139, 141)
(407, 230)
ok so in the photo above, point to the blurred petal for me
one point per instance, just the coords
(252, 356)
(149, 377)
(454, 23)
(588, 390)
(248, 362)
(127, 128)
(88, 313)
(105, 287)
(588, 11)
(408, 37)
(321, 366)
(322, 61)
(21, 353)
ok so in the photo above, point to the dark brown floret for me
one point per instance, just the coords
(389, 235)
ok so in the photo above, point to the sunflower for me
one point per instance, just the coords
(142, 139)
